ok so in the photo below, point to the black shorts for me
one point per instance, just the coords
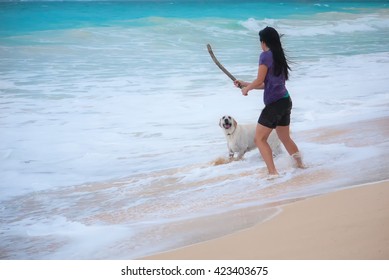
(276, 113)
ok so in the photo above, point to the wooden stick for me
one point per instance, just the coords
(219, 64)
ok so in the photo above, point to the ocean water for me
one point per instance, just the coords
(109, 118)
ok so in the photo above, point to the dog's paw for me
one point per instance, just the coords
(221, 160)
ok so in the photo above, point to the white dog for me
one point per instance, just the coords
(240, 138)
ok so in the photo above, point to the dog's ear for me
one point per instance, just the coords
(220, 122)
(235, 123)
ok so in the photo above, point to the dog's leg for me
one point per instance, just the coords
(240, 155)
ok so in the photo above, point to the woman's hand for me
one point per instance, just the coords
(238, 83)
(243, 86)
(245, 91)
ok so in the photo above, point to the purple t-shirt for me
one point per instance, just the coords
(274, 85)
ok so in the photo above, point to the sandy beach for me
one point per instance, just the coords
(348, 224)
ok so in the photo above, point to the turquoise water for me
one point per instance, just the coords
(23, 17)
(109, 116)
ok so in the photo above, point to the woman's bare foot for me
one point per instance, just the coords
(298, 160)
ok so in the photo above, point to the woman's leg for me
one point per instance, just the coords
(284, 136)
(261, 135)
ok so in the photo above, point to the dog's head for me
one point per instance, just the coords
(228, 124)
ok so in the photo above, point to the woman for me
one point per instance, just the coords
(273, 71)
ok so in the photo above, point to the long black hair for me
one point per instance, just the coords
(272, 39)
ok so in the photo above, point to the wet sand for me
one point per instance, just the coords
(347, 224)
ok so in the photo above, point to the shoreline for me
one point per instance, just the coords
(352, 223)
(359, 157)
